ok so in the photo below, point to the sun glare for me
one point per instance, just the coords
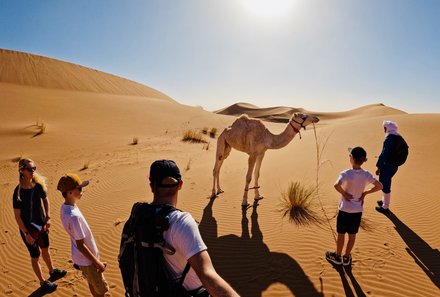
(268, 8)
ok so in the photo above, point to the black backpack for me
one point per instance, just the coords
(141, 261)
(400, 151)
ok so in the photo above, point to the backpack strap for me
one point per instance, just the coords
(184, 273)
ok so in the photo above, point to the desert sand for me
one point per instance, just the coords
(91, 119)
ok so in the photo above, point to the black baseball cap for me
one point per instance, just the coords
(162, 169)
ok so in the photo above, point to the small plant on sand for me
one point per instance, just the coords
(41, 127)
(193, 136)
(188, 165)
(85, 166)
(135, 140)
(213, 132)
(296, 203)
(206, 146)
(205, 130)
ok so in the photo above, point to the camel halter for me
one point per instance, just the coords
(297, 130)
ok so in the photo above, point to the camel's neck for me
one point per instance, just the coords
(281, 140)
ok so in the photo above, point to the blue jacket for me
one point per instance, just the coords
(387, 150)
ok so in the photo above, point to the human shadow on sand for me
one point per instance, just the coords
(247, 263)
(345, 271)
(423, 254)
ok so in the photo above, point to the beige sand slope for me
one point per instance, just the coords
(257, 251)
(38, 71)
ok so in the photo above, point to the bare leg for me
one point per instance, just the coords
(251, 165)
(340, 243)
(47, 259)
(37, 269)
(257, 176)
(350, 244)
(94, 294)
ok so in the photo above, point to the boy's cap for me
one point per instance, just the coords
(69, 182)
(358, 153)
(162, 169)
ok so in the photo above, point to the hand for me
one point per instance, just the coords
(47, 225)
(101, 266)
(29, 239)
(361, 199)
(377, 171)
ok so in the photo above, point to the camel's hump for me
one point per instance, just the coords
(245, 121)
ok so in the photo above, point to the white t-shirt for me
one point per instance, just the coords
(76, 226)
(184, 236)
(354, 182)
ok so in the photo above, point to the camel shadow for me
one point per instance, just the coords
(247, 263)
(423, 254)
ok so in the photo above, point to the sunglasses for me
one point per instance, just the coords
(31, 169)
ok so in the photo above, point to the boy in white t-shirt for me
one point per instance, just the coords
(85, 253)
(351, 184)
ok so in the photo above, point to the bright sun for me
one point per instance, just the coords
(268, 8)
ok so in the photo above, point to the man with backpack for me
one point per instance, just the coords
(394, 154)
(160, 234)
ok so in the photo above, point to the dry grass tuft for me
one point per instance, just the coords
(206, 146)
(41, 128)
(85, 166)
(193, 136)
(205, 130)
(188, 165)
(296, 203)
(213, 132)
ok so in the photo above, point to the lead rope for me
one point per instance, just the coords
(318, 162)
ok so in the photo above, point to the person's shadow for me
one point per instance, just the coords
(423, 254)
(345, 271)
(247, 263)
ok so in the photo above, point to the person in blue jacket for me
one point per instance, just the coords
(386, 168)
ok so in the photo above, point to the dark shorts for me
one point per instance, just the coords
(41, 242)
(348, 222)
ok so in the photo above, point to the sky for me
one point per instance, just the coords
(322, 55)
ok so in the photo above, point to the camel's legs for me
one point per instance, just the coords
(251, 165)
(223, 151)
(257, 176)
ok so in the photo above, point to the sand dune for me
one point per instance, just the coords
(38, 71)
(283, 114)
(257, 251)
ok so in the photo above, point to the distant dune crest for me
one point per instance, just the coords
(38, 71)
(283, 113)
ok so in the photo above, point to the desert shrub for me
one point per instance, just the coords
(193, 136)
(296, 203)
(213, 132)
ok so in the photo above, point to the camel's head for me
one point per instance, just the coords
(303, 120)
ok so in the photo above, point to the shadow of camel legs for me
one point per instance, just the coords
(247, 263)
(423, 254)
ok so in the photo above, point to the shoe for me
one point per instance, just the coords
(333, 257)
(57, 274)
(382, 210)
(379, 202)
(346, 260)
(48, 286)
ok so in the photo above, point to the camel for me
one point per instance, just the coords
(252, 137)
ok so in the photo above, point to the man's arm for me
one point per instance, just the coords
(216, 286)
(86, 252)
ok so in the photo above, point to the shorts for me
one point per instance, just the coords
(348, 222)
(95, 279)
(41, 241)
